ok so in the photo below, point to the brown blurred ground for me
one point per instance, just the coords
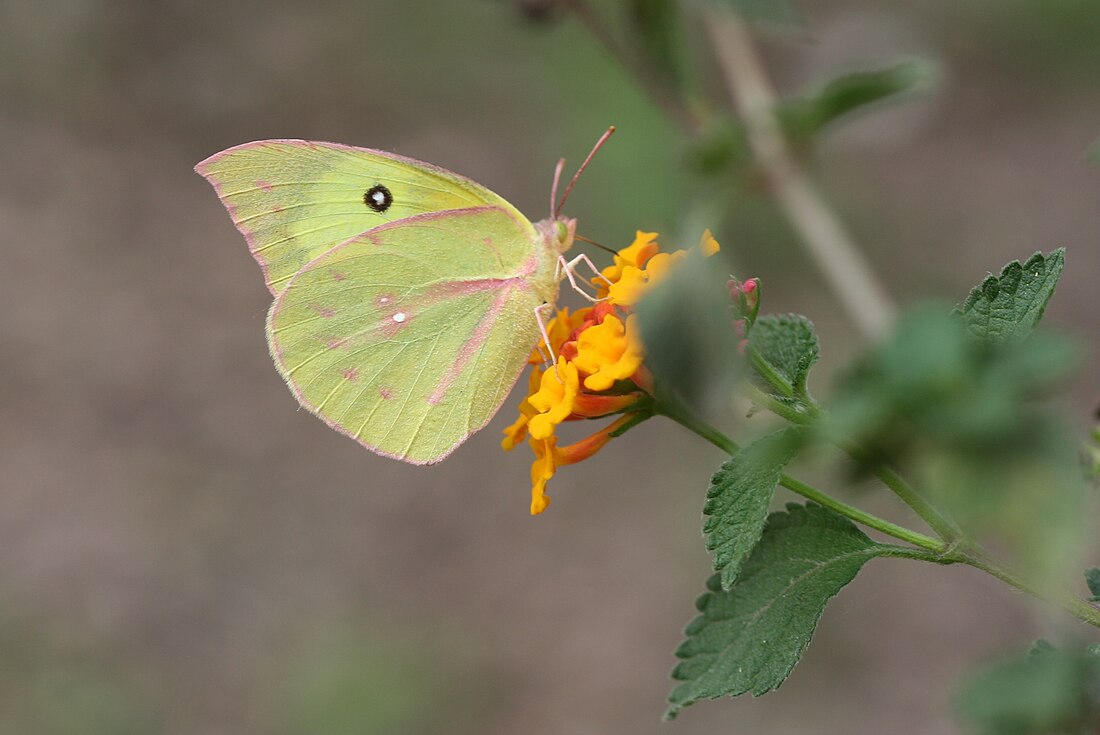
(183, 551)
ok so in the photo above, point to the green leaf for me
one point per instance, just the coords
(749, 638)
(789, 344)
(1047, 691)
(1009, 306)
(1092, 579)
(804, 118)
(738, 499)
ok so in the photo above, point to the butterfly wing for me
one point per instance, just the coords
(295, 199)
(408, 337)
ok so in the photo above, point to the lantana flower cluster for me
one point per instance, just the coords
(598, 367)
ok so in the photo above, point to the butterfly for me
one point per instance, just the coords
(405, 296)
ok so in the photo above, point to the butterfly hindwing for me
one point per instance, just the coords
(408, 337)
(293, 199)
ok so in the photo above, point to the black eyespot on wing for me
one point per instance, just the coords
(378, 198)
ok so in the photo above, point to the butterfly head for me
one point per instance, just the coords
(558, 232)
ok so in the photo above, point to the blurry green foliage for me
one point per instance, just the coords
(722, 146)
(657, 27)
(772, 11)
(51, 687)
(954, 399)
(1051, 691)
(687, 328)
(345, 681)
(1092, 578)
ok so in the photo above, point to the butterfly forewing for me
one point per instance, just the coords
(294, 199)
(409, 336)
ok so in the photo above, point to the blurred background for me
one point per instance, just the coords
(182, 550)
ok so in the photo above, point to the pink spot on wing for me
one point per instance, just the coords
(383, 300)
(324, 312)
(386, 393)
(350, 374)
(277, 208)
(334, 344)
(338, 276)
(489, 244)
(265, 185)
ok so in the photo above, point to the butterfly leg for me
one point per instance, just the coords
(540, 319)
(568, 267)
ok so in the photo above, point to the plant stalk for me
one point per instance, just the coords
(830, 245)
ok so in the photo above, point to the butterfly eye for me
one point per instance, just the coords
(378, 198)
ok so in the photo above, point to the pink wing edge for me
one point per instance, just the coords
(277, 355)
(202, 168)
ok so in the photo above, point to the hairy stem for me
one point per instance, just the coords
(842, 263)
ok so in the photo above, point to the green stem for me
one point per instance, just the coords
(889, 477)
(677, 412)
(941, 524)
(1076, 607)
(779, 408)
(928, 548)
(769, 373)
(871, 521)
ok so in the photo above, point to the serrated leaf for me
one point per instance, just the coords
(738, 499)
(1092, 579)
(788, 342)
(1007, 307)
(749, 638)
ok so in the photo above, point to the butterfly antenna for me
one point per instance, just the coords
(599, 144)
(601, 246)
(554, 189)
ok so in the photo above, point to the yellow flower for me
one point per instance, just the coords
(548, 457)
(634, 280)
(517, 432)
(554, 399)
(634, 255)
(609, 351)
(602, 345)
(542, 469)
(708, 244)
